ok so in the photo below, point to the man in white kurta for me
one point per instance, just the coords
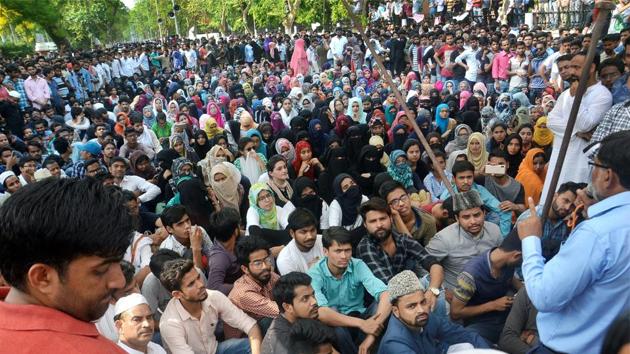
(595, 102)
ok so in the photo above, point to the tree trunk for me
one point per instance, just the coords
(292, 6)
(247, 19)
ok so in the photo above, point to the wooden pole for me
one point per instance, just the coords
(379, 62)
(604, 9)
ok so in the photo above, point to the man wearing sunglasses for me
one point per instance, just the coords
(586, 284)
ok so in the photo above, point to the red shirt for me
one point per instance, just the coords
(40, 329)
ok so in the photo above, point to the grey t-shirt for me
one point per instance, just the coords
(454, 247)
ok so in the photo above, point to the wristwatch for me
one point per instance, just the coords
(435, 291)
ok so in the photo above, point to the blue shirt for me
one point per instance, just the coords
(581, 291)
(345, 294)
(620, 91)
(496, 215)
(436, 336)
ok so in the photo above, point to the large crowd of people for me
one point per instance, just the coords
(268, 194)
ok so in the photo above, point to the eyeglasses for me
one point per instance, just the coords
(595, 164)
(259, 263)
(402, 199)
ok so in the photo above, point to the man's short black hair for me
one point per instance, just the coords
(462, 166)
(135, 119)
(90, 162)
(284, 290)
(611, 37)
(616, 62)
(223, 223)
(301, 218)
(26, 159)
(173, 273)
(498, 153)
(615, 153)
(248, 245)
(565, 57)
(173, 215)
(337, 234)
(130, 130)
(388, 187)
(308, 334)
(56, 221)
(570, 187)
(374, 204)
(128, 271)
(159, 258)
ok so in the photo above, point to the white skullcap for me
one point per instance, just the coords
(128, 302)
(5, 175)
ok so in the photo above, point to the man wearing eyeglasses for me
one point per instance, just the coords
(252, 292)
(420, 225)
(586, 284)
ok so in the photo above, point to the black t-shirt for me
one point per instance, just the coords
(458, 70)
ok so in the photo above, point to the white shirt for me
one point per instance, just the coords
(291, 259)
(152, 348)
(128, 66)
(596, 101)
(141, 255)
(335, 215)
(105, 325)
(191, 58)
(172, 244)
(254, 219)
(149, 139)
(337, 44)
(138, 184)
(116, 68)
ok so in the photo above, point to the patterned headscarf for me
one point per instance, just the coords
(268, 219)
(400, 172)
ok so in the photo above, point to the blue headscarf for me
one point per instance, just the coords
(262, 147)
(400, 172)
(441, 123)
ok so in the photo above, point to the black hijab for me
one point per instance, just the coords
(310, 202)
(349, 200)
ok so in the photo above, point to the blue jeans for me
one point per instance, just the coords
(347, 338)
(234, 346)
(488, 326)
(441, 308)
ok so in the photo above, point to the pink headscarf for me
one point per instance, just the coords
(463, 98)
(217, 116)
(439, 85)
(299, 61)
(286, 81)
(410, 78)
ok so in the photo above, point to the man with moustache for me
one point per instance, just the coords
(413, 329)
(189, 321)
(296, 299)
(595, 102)
(135, 323)
(388, 253)
(64, 269)
(252, 292)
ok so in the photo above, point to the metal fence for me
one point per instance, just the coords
(562, 19)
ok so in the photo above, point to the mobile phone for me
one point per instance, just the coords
(495, 169)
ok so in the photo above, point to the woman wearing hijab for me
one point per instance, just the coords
(401, 119)
(462, 132)
(299, 61)
(305, 195)
(443, 123)
(400, 170)
(503, 108)
(344, 209)
(212, 128)
(276, 122)
(264, 213)
(194, 196)
(178, 144)
(379, 144)
(400, 135)
(532, 172)
(367, 168)
(355, 111)
(305, 164)
(172, 111)
(214, 111)
(202, 144)
(355, 139)
(285, 148)
(148, 118)
(543, 136)
(476, 152)
(317, 137)
(182, 169)
(513, 148)
(250, 163)
(224, 179)
(141, 166)
(342, 124)
(216, 155)
(259, 143)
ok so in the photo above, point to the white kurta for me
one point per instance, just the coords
(596, 101)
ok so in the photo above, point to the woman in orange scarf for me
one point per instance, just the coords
(532, 172)
(122, 122)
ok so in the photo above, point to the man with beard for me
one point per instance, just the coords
(306, 247)
(413, 329)
(296, 299)
(64, 269)
(595, 102)
(555, 230)
(135, 324)
(387, 253)
(252, 292)
(190, 318)
(469, 237)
